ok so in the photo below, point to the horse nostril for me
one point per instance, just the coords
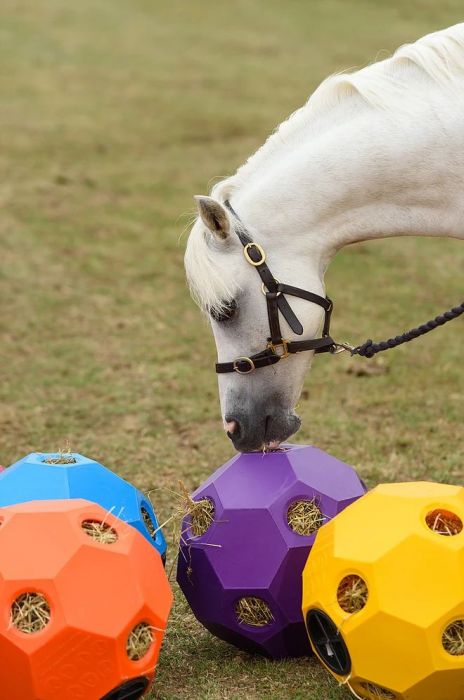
(233, 428)
(230, 425)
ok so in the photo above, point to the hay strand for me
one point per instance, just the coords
(443, 522)
(139, 641)
(30, 613)
(346, 682)
(376, 691)
(99, 531)
(305, 517)
(253, 611)
(352, 594)
(148, 522)
(453, 638)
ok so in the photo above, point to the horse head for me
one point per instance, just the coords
(255, 326)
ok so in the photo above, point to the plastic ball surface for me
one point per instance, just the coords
(243, 551)
(84, 602)
(48, 476)
(383, 593)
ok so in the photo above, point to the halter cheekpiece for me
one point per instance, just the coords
(277, 347)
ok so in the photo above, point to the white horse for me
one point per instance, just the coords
(372, 154)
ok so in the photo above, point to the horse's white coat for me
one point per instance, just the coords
(376, 153)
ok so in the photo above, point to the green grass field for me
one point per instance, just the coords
(114, 113)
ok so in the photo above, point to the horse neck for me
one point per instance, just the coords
(377, 174)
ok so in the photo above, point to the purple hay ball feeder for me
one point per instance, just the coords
(243, 551)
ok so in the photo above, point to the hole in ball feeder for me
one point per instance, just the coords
(139, 641)
(453, 638)
(62, 458)
(328, 642)
(376, 691)
(30, 613)
(99, 531)
(444, 522)
(304, 516)
(201, 516)
(253, 611)
(148, 522)
(352, 593)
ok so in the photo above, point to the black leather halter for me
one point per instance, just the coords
(277, 347)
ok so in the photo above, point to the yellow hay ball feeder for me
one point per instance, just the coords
(383, 593)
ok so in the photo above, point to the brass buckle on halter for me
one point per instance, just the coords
(284, 345)
(260, 251)
(251, 365)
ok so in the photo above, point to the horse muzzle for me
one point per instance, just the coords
(254, 427)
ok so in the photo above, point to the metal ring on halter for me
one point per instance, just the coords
(342, 347)
(260, 251)
(265, 290)
(251, 365)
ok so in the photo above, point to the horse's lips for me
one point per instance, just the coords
(266, 433)
(273, 445)
(231, 426)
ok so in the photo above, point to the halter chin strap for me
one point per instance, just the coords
(277, 347)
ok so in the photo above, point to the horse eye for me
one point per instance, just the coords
(226, 312)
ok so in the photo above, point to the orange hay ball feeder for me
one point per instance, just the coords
(84, 602)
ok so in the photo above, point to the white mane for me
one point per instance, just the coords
(439, 57)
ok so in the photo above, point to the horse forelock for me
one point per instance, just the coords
(211, 279)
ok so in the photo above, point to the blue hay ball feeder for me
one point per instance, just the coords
(49, 476)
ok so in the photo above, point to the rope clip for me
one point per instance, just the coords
(342, 347)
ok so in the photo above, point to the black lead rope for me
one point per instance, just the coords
(277, 347)
(369, 348)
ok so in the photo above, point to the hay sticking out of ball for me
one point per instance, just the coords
(305, 517)
(453, 638)
(99, 531)
(148, 522)
(253, 611)
(30, 613)
(352, 594)
(139, 641)
(64, 457)
(61, 459)
(201, 515)
(443, 522)
(376, 691)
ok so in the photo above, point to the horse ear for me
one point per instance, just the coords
(214, 216)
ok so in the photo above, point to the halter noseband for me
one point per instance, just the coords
(277, 347)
